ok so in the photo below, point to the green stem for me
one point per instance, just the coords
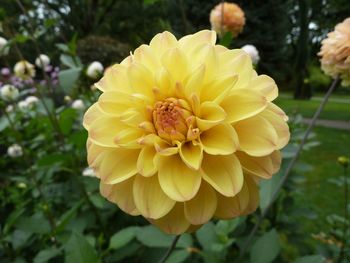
(170, 250)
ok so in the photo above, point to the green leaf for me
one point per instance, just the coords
(178, 256)
(225, 227)
(122, 237)
(12, 219)
(68, 77)
(62, 47)
(266, 248)
(45, 255)
(37, 224)
(67, 216)
(66, 120)
(267, 188)
(151, 236)
(310, 259)
(69, 61)
(206, 236)
(78, 250)
(4, 123)
(226, 40)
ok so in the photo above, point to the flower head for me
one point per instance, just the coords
(335, 52)
(14, 151)
(42, 61)
(94, 70)
(252, 52)
(344, 161)
(78, 104)
(24, 70)
(9, 92)
(183, 132)
(4, 49)
(227, 17)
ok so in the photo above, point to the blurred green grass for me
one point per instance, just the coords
(333, 111)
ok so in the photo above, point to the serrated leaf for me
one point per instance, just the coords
(266, 248)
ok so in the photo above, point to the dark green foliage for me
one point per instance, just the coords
(104, 49)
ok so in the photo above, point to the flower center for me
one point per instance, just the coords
(174, 121)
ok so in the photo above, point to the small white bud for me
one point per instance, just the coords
(252, 52)
(15, 151)
(9, 92)
(78, 104)
(42, 61)
(94, 70)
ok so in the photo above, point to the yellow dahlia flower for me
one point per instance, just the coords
(227, 17)
(183, 132)
(335, 52)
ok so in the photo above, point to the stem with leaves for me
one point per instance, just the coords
(170, 250)
(289, 167)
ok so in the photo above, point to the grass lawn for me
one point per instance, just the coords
(318, 194)
(323, 196)
(332, 111)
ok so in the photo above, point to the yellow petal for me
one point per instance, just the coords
(206, 55)
(116, 102)
(128, 138)
(245, 202)
(253, 195)
(257, 137)
(146, 163)
(220, 139)
(210, 114)
(115, 78)
(149, 198)
(117, 165)
(265, 85)
(191, 154)
(263, 167)
(190, 42)
(146, 56)
(103, 130)
(161, 42)
(279, 125)
(178, 181)
(121, 194)
(201, 208)
(175, 222)
(224, 173)
(93, 113)
(218, 89)
(141, 79)
(195, 81)
(176, 62)
(242, 104)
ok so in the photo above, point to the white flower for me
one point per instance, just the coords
(42, 61)
(94, 70)
(9, 92)
(23, 105)
(31, 100)
(4, 50)
(88, 172)
(9, 108)
(14, 151)
(252, 52)
(24, 70)
(78, 105)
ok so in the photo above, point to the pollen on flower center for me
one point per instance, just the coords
(173, 122)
